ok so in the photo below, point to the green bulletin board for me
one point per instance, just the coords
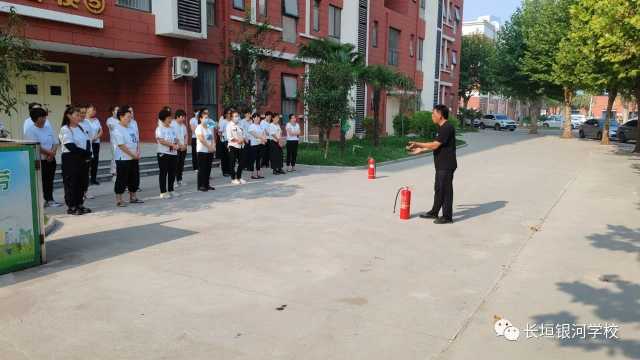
(19, 208)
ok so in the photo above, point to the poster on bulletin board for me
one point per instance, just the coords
(20, 224)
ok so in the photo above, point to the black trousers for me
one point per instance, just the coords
(266, 154)
(237, 162)
(167, 176)
(95, 159)
(275, 158)
(182, 155)
(292, 152)
(74, 178)
(204, 169)
(246, 150)
(443, 197)
(127, 176)
(194, 153)
(256, 153)
(48, 170)
(222, 153)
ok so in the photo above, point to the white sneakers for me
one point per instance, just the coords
(173, 194)
(52, 203)
(243, 181)
(88, 195)
(165, 196)
(239, 182)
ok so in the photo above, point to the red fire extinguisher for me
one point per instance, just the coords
(372, 169)
(405, 202)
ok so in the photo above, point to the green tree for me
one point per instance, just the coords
(15, 55)
(332, 73)
(547, 58)
(382, 79)
(476, 58)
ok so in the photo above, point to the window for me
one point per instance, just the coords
(411, 45)
(290, 7)
(374, 35)
(143, 5)
(262, 8)
(457, 14)
(423, 8)
(394, 42)
(31, 89)
(289, 95)
(205, 87)
(454, 58)
(289, 29)
(238, 4)
(420, 53)
(335, 17)
(211, 12)
(419, 100)
(55, 90)
(316, 15)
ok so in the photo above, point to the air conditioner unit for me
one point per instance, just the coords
(184, 67)
(184, 19)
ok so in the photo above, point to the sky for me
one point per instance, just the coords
(500, 8)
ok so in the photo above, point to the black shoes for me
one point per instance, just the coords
(78, 211)
(211, 188)
(84, 210)
(428, 215)
(442, 220)
(203, 189)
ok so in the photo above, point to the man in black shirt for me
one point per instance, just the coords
(444, 152)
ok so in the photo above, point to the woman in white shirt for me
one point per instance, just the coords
(236, 138)
(125, 137)
(44, 136)
(222, 152)
(257, 141)
(275, 147)
(133, 124)
(293, 133)
(76, 154)
(206, 147)
(167, 153)
(265, 123)
(193, 124)
(96, 134)
(112, 121)
(180, 128)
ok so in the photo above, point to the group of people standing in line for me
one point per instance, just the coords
(251, 143)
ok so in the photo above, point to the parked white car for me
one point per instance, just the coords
(498, 122)
(557, 121)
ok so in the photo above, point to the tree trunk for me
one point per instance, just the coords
(326, 143)
(534, 113)
(568, 100)
(465, 101)
(613, 93)
(343, 140)
(636, 149)
(376, 117)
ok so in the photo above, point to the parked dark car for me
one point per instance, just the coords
(592, 129)
(628, 131)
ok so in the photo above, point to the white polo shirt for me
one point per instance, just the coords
(222, 128)
(73, 135)
(293, 129)
(44, 136)
(193, 122)
(255, 131)
(207, 133)
(274, 130)
(29, 123)
(127, 136)
(95, 128)
(234, 132)
(181, 131)
(168, 134)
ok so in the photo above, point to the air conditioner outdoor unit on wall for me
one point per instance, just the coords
(184, 19)
(184, 67)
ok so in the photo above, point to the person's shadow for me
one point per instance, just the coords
(468, 211)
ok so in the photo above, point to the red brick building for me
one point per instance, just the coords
(113, 52)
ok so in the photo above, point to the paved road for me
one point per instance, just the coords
(539, 221)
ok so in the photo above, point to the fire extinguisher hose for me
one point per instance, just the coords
(395, 203)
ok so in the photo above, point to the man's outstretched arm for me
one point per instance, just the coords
(416, 148)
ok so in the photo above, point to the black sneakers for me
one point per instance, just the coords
(428, 215)
(442, 220)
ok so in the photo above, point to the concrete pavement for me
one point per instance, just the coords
(539, 220)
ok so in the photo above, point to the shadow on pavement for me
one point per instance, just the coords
(617, 302)
(467, 211)
(70, 252)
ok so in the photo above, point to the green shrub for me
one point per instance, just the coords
(367, 124)
(454, 121)
(401, 125)
(422, 125)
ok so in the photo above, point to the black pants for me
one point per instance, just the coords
(74, 178)
(48, 170)
(204, 169)
(275, 158)
(292, 152)
(168, 165)
(95, 159)
(127, 176)
(194, 153)
(222, 153)
(255, 159)
(237, 162)
(266, 154)
(443, 197)
(246, 152)
(180, 165)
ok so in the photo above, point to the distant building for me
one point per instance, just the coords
(484, 25)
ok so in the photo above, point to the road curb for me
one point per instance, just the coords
(381, 164)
